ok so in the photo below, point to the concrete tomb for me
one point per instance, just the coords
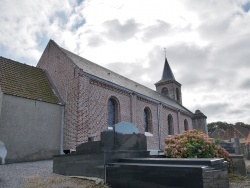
(237, 162)
(229, 146)
(121, 141)
(122, 160)
(166, 173)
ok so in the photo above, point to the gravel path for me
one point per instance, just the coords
(40, 174)
(13, 175)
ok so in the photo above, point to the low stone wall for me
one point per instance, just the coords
(91, 165)
(215, 178)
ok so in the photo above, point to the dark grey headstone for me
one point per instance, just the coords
(124, 136)
(121, 141)
(229, 146)
(130, 142)
(89, 147)
(108, 140)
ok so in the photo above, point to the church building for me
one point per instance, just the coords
(96, 98)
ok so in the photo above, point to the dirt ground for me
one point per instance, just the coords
(40, 174)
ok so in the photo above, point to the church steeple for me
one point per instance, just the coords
(167, 72)
(168, 86)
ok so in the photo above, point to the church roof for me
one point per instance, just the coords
(167, 73)
(25, 81)
(123, 82)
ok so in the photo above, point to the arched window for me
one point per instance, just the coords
(164, 91)
(185, 125)
(177, 94)
(147, 119)
(112, 112)
(170, 125)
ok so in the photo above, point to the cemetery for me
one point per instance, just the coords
(122, 160)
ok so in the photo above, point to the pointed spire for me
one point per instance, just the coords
(167, 72)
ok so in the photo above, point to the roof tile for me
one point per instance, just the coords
(25, 81)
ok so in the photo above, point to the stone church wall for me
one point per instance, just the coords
(94, 96)
(182, 118)
(86, 101)
(97, 115)
(164, 123)
(141, 104)
(171, 86)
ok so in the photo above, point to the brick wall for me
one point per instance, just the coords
(86, 101)
(164, 123)
(182, 118)
(141, 104)
(171, 86)
(94, 97)
(99, 94)
(64, 75)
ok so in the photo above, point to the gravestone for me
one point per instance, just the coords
(229, 146)
(237, 146)
(122, 160)
(167, 172)
(123, 141)
(237, 162)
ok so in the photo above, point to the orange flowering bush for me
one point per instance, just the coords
(192, 144)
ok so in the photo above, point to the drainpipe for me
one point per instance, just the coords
(159, 131)
(178, 121)
(62, 126)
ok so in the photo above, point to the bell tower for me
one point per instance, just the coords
(168, 86)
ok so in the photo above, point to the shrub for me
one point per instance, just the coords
(193, 144)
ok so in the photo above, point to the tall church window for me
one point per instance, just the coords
(177, 94)
(164, 91)
(112, 112)
(170, 125)
(185, 125)
(147, 119)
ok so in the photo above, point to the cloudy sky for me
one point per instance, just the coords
(207, 43)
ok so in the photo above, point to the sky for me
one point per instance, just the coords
(207, 43)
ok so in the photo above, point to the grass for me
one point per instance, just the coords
(238, 181)
(238, 178)
(61, 181)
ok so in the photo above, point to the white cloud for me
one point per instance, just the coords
(120, 32)
(207, 43)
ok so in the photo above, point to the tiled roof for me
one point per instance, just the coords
(25, 81)
(242, 130)
(237, 131)
(218, 133)
(112, 77)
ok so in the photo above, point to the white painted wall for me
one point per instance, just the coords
(30, 129)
